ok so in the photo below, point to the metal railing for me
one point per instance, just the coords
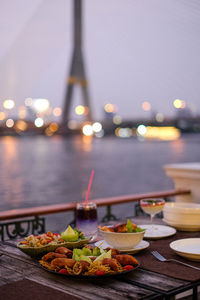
(21, 222)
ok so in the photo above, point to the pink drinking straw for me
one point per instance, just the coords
(89, 187)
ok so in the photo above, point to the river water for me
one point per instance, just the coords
(41, 171)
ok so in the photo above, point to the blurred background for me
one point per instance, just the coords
(141, 111)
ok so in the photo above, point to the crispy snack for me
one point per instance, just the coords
(80, 267)
(62, 262)
(113, 251)
(113, 264)
(65, 251)
(48, 266)
(105, 228)
(51, 255)
(125, 259)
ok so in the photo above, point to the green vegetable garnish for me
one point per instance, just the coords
(129, 226)
(70, 235)
(96, 251)
(86, 252)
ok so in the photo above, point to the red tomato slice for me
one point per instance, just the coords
(99, 272)
(63, 271)
(128, 267)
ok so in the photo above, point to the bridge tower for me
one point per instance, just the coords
(77, 75)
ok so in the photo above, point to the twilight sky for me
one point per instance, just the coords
(135, 51)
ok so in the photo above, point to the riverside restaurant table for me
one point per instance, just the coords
(22, 278)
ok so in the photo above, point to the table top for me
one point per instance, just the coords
(21, 277)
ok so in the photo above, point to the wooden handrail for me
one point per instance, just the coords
(58, 208)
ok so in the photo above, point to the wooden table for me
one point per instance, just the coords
(22, 278)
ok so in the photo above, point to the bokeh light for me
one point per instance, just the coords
(57, 111)
(87, 130)
(159, 117)
(79, 110)
(10, 123)
(177, 103)
(39, 122)
(28, 101)
(109, 108)
(117, 119)
(146, 106)
(22, 112)
(2, 115)
(21, 125)
(8, 104)
(97, 127)
(41, 105)
(141, 129)
(53, 127)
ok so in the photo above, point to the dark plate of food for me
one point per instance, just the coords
(79, 263)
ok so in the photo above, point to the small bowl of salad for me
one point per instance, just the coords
(123, 236)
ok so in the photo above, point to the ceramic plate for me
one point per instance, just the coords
(141, 246)
(188, 248)
(157, 231)
(183, 227)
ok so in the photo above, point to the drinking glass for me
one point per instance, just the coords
(152, 206)
(86, 218)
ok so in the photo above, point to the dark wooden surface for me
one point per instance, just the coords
(51, 209)
(18, 269)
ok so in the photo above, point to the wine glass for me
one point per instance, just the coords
(152, 207)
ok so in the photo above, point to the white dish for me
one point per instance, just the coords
(141, 246)
(185, 213)
(122, 240)
(155, 231)
(188, 248)
(183, 227)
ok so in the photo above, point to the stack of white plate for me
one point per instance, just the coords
(184, 216)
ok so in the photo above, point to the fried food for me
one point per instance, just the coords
(112, 263)
(62, 262)
(80, 267)
(65, 251)
(51, 255)
(113, 251)
(125, 259)
(120, 228)
(105, 228)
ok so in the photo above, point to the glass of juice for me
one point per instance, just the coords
(86, 218)
(152, 206)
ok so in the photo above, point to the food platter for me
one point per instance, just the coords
(90, 276)
(39, 251)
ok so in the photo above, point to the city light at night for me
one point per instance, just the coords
(41, 105)
(39, 122)
(97, 127)
(87, 130)
(10, 123)
(8, 104)
(80, 110)
(57, 111)
(146, 106)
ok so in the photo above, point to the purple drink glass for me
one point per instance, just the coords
(86, 218)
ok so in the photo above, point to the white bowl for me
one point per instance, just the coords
(122, 241)
(184, 213)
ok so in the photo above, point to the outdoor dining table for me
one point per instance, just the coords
(21, 277)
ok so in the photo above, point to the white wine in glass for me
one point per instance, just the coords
(152, 206)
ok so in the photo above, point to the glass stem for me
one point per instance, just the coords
(152, 216)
